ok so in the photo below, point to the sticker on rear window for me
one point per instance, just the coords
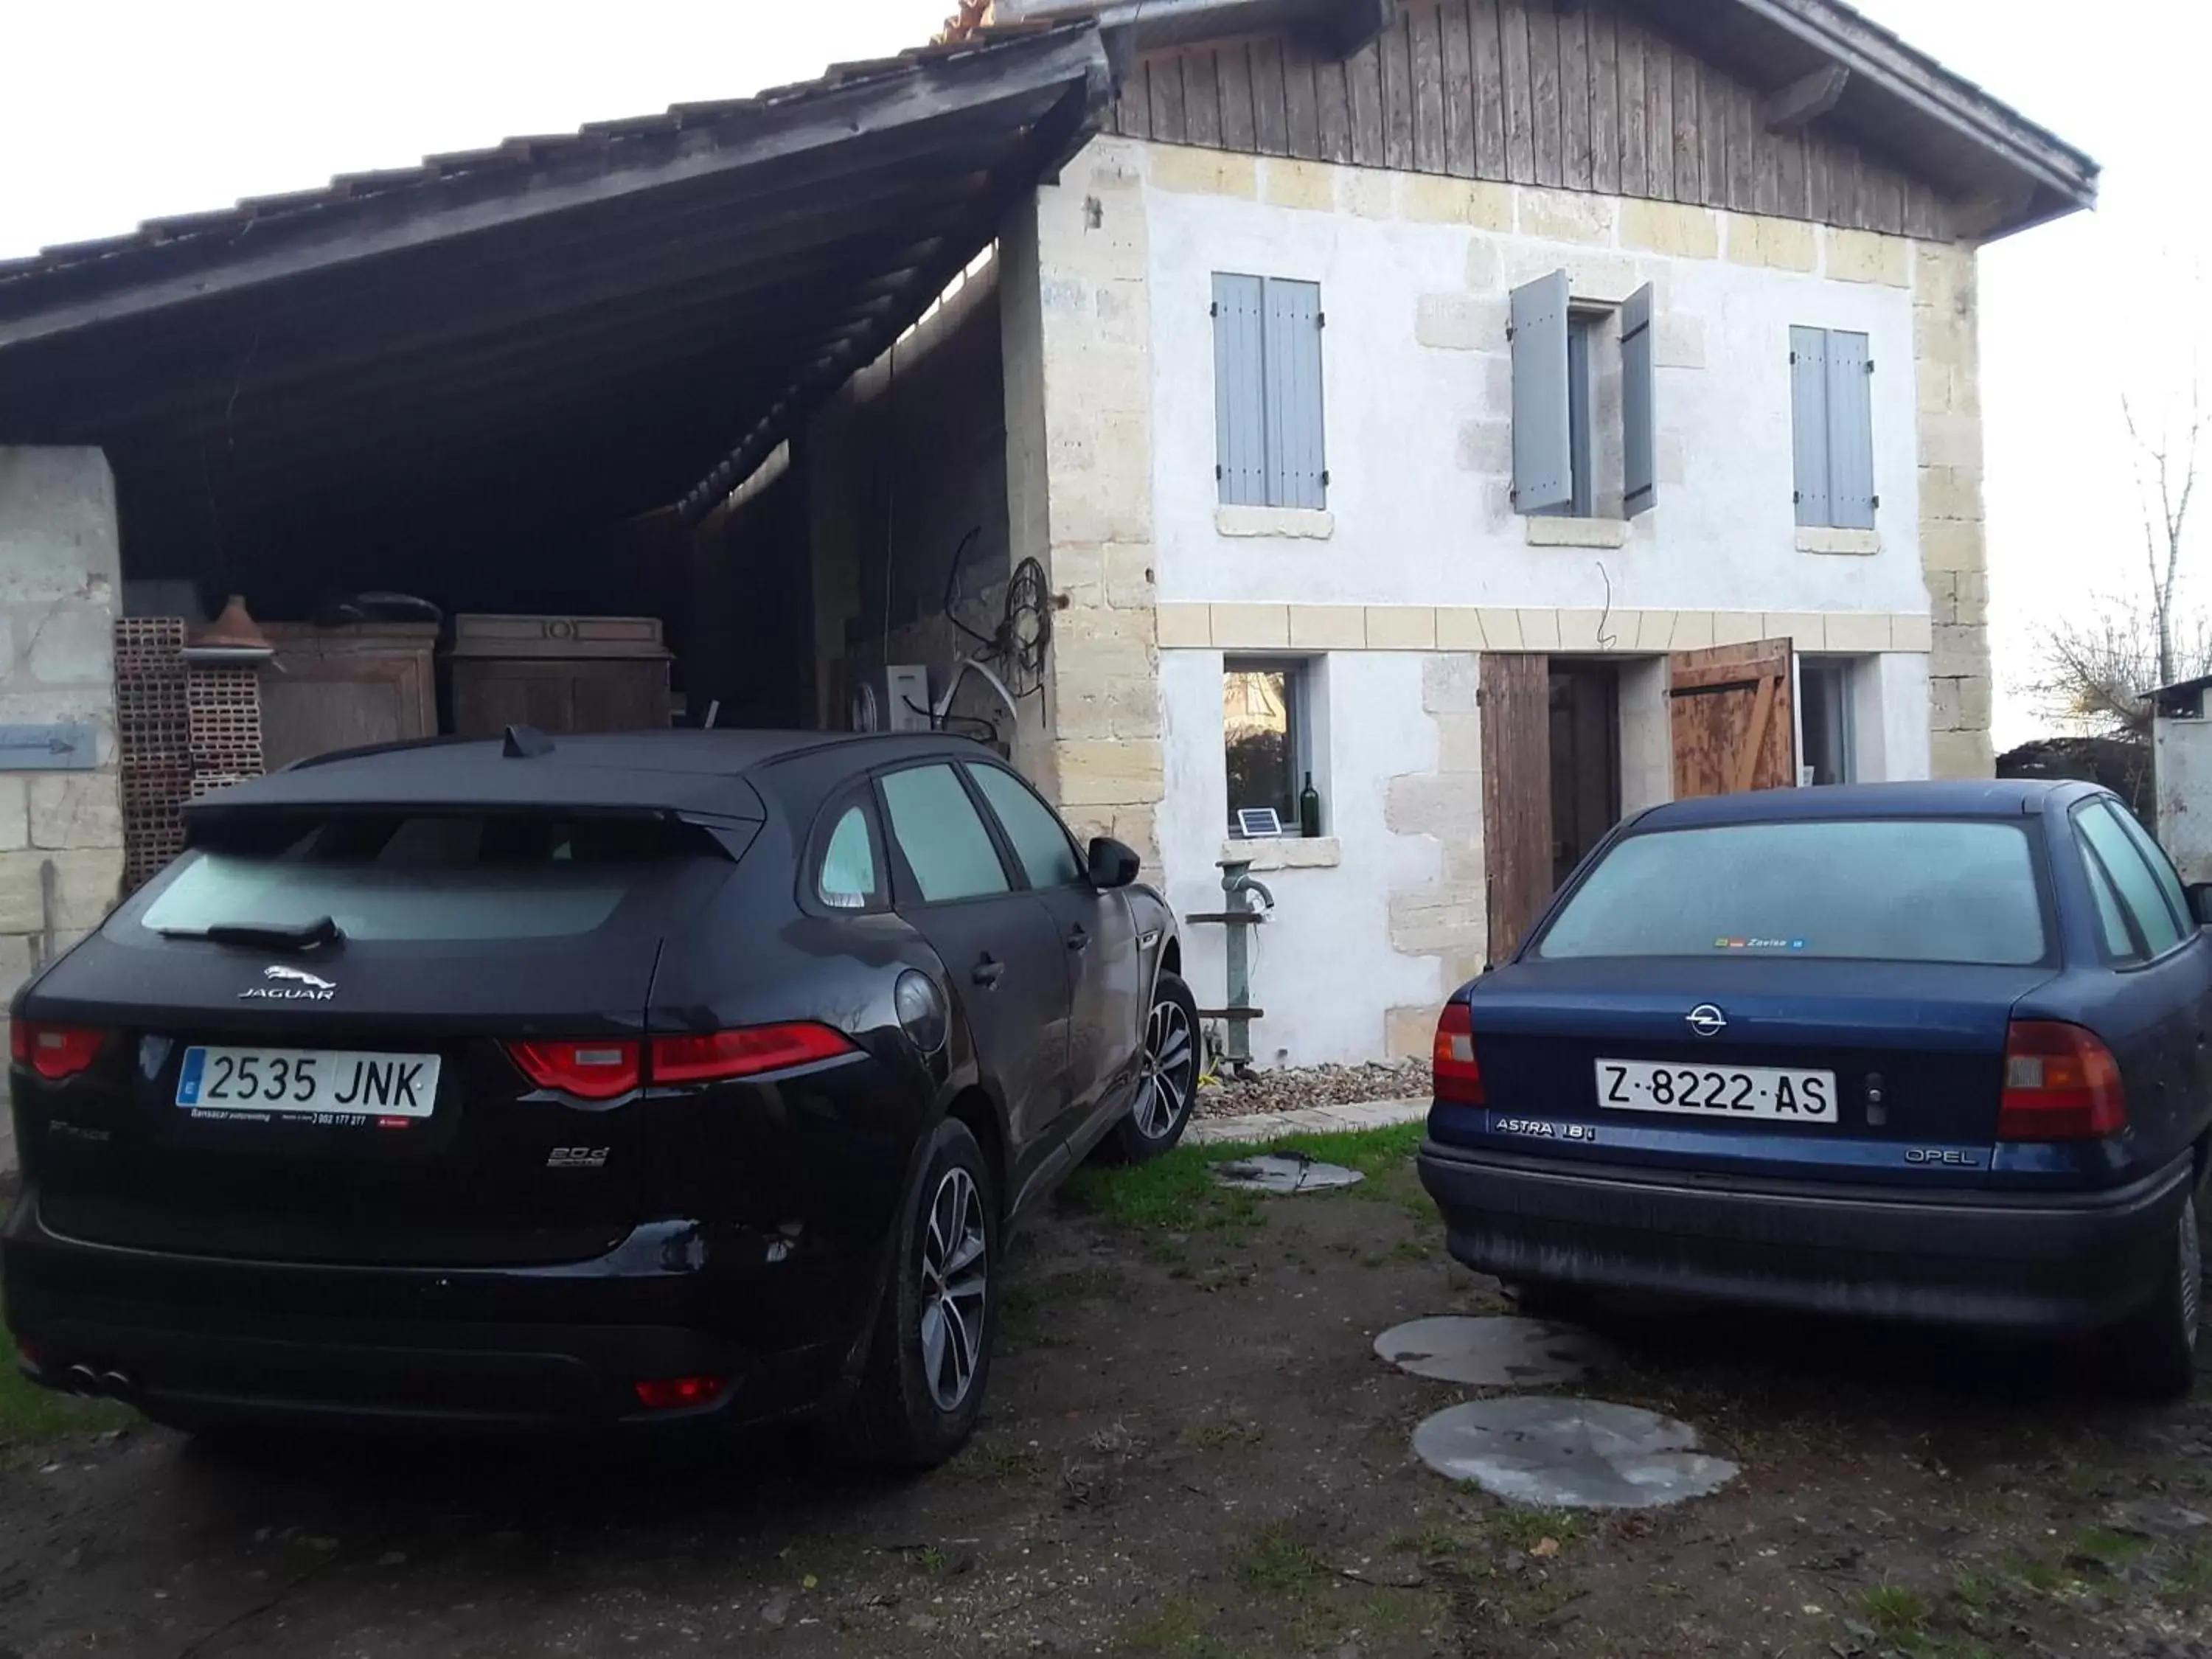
(1727, 942)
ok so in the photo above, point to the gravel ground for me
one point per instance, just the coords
(1295, 1088)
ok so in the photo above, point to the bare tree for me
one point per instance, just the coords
(2098, 672)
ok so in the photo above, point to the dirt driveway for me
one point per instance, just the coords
(1191, 1454)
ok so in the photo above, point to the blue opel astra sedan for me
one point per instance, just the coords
(1929, 1052)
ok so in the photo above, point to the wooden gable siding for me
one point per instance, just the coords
(1582, 96)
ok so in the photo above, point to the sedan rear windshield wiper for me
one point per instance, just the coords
(266, 936)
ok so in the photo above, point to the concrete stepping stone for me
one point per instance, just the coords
(1284, 1173)
(1494, 1354)
(1553, 1453)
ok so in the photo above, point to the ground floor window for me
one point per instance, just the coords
(1265, 721)
(1824, 690)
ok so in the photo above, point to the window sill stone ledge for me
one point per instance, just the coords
(1289, 853)
(1861, 543)
(1548, 531)
(1304, 524)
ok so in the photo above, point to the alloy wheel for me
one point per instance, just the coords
(956, 1262)
(1170, 1069)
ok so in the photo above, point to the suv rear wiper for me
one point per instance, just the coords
(266, 936)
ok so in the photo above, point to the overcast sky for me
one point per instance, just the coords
(115, 110)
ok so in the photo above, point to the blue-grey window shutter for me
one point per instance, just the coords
(1809, 421)
(1638, 411)
(1240, 390)
(1543, 443)
(1296, 457)
(1851, 431)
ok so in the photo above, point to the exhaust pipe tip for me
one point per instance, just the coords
(82, 1380)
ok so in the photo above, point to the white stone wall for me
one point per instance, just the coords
(60, 581)
(1420, 564)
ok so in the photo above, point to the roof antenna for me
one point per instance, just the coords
(525, 743)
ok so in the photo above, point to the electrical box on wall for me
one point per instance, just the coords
(893, 699)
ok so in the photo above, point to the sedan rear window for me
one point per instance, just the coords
(1876, 891)
(390, 876)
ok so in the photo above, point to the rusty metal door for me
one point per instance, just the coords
(1516, 794)
(1734, 724)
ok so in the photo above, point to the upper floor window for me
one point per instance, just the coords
(1570, 361)
(1267, 392)
(1831, 423)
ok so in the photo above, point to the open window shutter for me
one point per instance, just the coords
(1240, 391)
(1543, 441)
(1809, 421)
(1851, 431)
(1295, 455)
(1639, 412)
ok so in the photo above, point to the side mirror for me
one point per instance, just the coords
(1112, 864)
(2200, 902)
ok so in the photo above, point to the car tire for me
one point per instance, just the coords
(1157, 1118)
(929, 1359)
(2156, 1350)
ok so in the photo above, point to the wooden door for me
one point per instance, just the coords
(1516, 794)
(1734, 727)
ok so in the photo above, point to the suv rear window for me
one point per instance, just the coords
(420, 877)
(1921, 889)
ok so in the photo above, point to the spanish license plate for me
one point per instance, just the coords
(318, 1084)
(1717, 1091)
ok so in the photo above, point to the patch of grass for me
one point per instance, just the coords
(1177, 1194)
(1229, 1429)
(2187, 1581)
(1023, 1308)
(1175, 1629)
(2104, 1545)
(1895, 1611)
(1006, 1465)
(931, 1560)
(32, 1416)
(1524, 1530)
(1275, 1564)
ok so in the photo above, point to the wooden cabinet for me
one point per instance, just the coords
(558, 674)
(344, 688)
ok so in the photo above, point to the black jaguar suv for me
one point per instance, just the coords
(674, 1078)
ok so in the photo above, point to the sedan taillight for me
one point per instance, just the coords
(1458, 1073)
(55, 1052)
(2060, 1083)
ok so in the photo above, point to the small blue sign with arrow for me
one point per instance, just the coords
(48, 749)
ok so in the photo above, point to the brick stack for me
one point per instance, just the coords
(152, 742)
(224, 707)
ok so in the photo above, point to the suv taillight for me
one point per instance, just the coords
(603, 1070)
(745, 1052)
(1458, 1073)
(599, 1069)
(2060, 1083)
(55, 1052)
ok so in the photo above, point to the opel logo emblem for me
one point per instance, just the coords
(1707, 1020)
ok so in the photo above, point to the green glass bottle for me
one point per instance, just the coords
(1310, 811)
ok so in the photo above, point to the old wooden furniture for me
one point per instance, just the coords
(558, 674)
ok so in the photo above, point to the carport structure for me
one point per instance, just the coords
(491, 360)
